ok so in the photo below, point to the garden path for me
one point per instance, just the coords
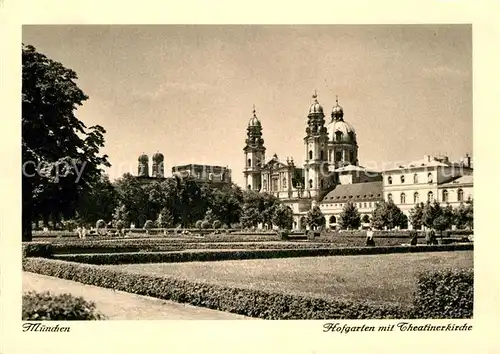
(119, 305)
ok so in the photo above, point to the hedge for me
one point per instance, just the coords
(445, 294)
(272, 305)
(64, 307)
(247, 302)
(208, 255)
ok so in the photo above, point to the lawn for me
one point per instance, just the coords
(376, 278)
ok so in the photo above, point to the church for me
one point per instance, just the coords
(331, 174)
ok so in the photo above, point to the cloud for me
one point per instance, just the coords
(444, 70)
(172, 86)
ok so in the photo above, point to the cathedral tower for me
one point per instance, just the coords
(143, 166)
(158, 165)
(316, 145)
(254, 154)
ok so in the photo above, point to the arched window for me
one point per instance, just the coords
(403, 198)
(310, 154)
(389, 197)
(415, 197)
(321, 154)
(310, 183)
(333, 219)
(429, 177)
(211, 176)
(402, 179)
(321, 183)
(249, 162)
(338, 136)
(389, 180)
(415, 178)
(460, 195)
(445, 196)
(338, 156)
(284, 182)
(430, 197)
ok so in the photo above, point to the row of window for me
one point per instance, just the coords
(430, 197)
(357, 205)
(415, 178)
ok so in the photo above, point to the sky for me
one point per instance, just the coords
(189, 91)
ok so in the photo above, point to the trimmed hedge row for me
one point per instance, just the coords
(207, 256)
(46, 306)
(444, 294)
(159, 245)
(247, 302)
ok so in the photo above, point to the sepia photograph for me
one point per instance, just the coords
(210, 172)
(232, 172)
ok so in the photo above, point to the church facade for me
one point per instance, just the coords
(332, 176)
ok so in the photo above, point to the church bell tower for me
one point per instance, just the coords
(316, 147)
(254, 154)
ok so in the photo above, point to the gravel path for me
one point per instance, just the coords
(118, 305)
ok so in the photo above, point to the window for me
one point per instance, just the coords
(333, 219)
(415, 198)
(249, 187)
(430, 197)
(445, 196)
(310, 183)
(429, 177)
(389, 180)
(460, 195)
(321, 184)
(284, 182)
(338, 136)
(403, 198)
(338, 156)
(402, 179)
(415, 178)
(249, 162)
(389, 197)
(310, 154)
(364, 205)
(321, 154)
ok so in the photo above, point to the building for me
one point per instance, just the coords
(331, 175)
(433, 178)
(157, 168)
(215, 176)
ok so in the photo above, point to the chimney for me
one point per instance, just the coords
(468, 160)
(427, 158)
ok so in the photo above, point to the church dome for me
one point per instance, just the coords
(254, 121)
(315, 106)
(337, 111)
(340, 131)
(143, 158)
(158, 157)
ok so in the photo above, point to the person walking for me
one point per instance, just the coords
(369, 237)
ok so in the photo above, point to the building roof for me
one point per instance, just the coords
(459, 181)
(369, 191)
(429, 161)
(349, 168)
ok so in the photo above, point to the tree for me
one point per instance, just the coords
(470, 213)
(315, 218)
(349, 218)
(60, 154)
(387, 215)
(122, 215)
(365, 219)
(430, 212)
(416, 216)
(283, 217)
(250, 216)
(165, 219)
(97, 202)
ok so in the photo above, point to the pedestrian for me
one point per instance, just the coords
(79, 232)
(369, 237)
(413, 238)
(84, 232)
